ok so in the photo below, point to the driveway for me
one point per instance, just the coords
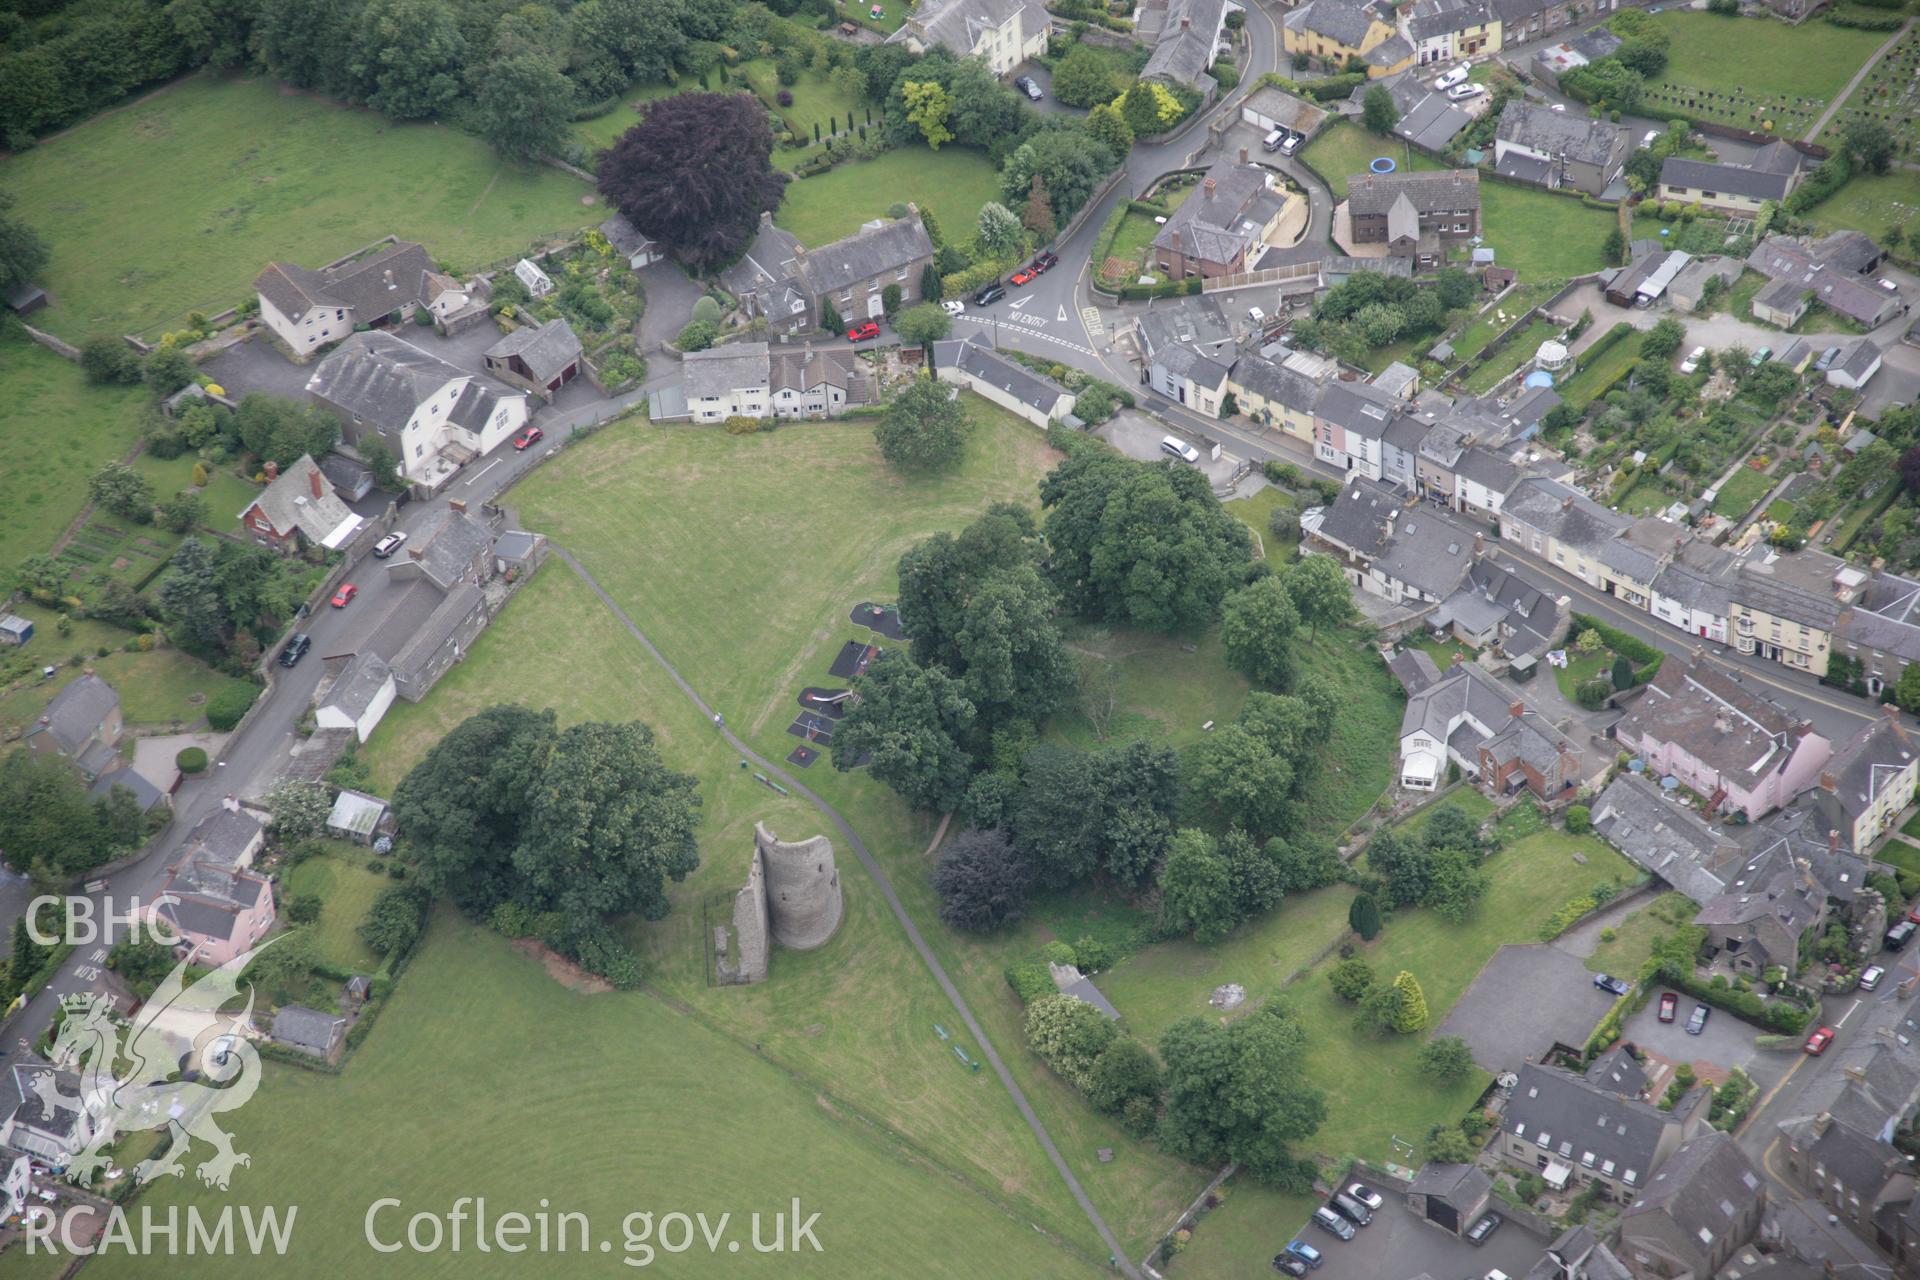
(1138, 436)
(1529, 997)
(1397, 1244)
(257, 365)
(670, 299)
(1727, 1042)
(1048, 105)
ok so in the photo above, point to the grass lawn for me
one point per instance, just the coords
(226, 494)
(953, 182)
(1166, 693)
(1520, 349)
(816, 101)
(234, 173)
(676, 1115)
(1580, 668)
(1741, 491)
(1870, 204)
(348, 889)
(1633, 936)
(1595, 376)
(1899, 852)
(1344, 150)
(600, 132)
(1541, 235)
(157, 689)
(1757, 69)
(58, 431)
(1135, 236)
(1647, 494)
(1254, 513)
(1490, 323)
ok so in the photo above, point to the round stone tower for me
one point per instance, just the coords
(802, 887)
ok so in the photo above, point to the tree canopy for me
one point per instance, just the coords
(1241, 1092)
(925, 429)
(912, 723)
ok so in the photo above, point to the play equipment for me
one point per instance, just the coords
(1383, 164)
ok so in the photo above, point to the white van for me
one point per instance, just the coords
(1256, 317)
(1275, 140)
(1178, 448)
(1451, 79)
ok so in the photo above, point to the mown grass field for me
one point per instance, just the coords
(1751, 64)
(1870, 204)
(486, 1078)
(175, 204)
(57, 431)
(1344, 150)
(1541, 235)
(953, 182)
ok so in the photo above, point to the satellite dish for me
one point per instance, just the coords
(1507, 1080)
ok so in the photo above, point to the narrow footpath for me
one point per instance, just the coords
(893, 901)
(1840, 99)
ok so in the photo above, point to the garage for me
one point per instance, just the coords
(1450, 1196)
(1268, 108)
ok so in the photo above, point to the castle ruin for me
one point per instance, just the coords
(792, 896)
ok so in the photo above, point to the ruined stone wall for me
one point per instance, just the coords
(740, 948)
(802, 888)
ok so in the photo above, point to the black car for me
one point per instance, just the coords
(1898, 936)
(1697, 1021)
(1332, 1223)
(1288, 1265)
(1607, 982)
(1350, 1209)
(1026, 85)
(1482, 1231)
(296, 649)
(989, 293)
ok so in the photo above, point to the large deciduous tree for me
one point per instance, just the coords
(914, 722)
(49, 827)
(1111, 812)
(695, 174)
(1241, 1092)
(1257, 625)
(1320, 593)
(981, 881)
(22, 252)
(407, 56)
(522, 104)
(924, 429)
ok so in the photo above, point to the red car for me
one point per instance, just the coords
(344, 596)
(528, 438)
(1817, 1042)
(1669, 1003)
(1913, 912)
(1025, 275)
(1046, 262)
(861, 332)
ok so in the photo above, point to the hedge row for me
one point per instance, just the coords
(1166, 289)
(1570, 913)
(1642, 654)
(1776, 1016)
(1859, 21)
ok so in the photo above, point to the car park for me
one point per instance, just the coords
(1028, 86)
(344, 596)
(388, 545)
(1607, 982)
(1817, 1042)
(1870, 977)
(296, 649)
(1697, 1020)
(1900, 934)
(528, 438)
(1462, 92)
(1350, 1209)
(1288, 1265)
(1365, 1194)
(1026, 275)
(953, 307)
(1482, 1230)
(1692, 362)
(862, 332)
(1452, 78)
(1332, 1223)
(1306, 1253)
(1669, 1004)
(992, 292)
(1178, 448)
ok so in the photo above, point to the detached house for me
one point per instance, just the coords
(1734, 188)
(985, 372)
(308, 310)
(1001, 33)
(1554, 149)
(299, 507)
(1336, 30)
(1220, 229)
(1468, 719)
(44, 1113)
(217, 906)
(1868, 783)
(1418, 216)
(82, 724)
(1188, 43)
(792, 286)
(1576, 1132)
(435, 418)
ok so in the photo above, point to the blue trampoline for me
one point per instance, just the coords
(1383, 164)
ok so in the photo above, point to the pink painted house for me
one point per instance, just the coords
(217, 906)
(1742, 751)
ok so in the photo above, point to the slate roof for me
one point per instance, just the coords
(547, 349)
(1389, 52)
(1487, 468)
(1706, 711)
(959, 25)
(1338, 20)
(624, 236)
(1421, 546)
(1857, 358)
(807, 368)
(291, 502)
(1221, 226)
(210, 899)
(359, 684)
(1524, 168)
(722, 370)
(222, 837)
(370, 287)
(1466, 709)
(1799, 837)
(1024, 385)
(378, 378)
(1443, 190)
(446, 619)
(1797, 586)
(1497, 593)
(1432, 122)
(1285, 108)
(1885, 617)
(874, 250)
(23, 1100)
(1559, 133)
(1458, 1184)
(1429, 18)
(1414, 669)
(1726, 179)
(307, 1029)
(1782, 157)
(1705, 1187)
(1192, 322)
(450, 549)
(1276, 382)
(1563, 512)
(1618, 1071)
(76, 713)
(1357, 407)
(145, 794)
(1575, 1118)
(1186, 46)
(1867, 1086)
(768, 270)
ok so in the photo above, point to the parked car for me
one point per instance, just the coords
(1274, 140)
(1870, 977)
(1179, 448)
(388, 545)
(1365, 1194)
(344, 596)
(1292, 144)
(989, 293)
(1256, 317)
(1913, 912)
(1332, 1223)
(1817, 1042)
(528, 438)
(1025, 275)
(1669, 1004)
(1452, 78)
(1463, 92)
(1692, 362)
(1350, 1209)
(1046, 261)
(1028, 86)
(1288, 1265)
(1827, 357)
(1650, 137)
(1697, 1020)
(1900, 934)
(1306, 1253)
(1759, 357)
(1889, 285)
(1482, 1230)
(1607, 982)
(296, 649)
(861, 332)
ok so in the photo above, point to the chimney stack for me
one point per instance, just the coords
(313, 483)
(416, 553)
(1186, 24)
(1207, 186)
(1828, 782)
(1243, 155)
(1833, 840)
(457, 505)
(1890, 711)
(230, 802)
(387, 276)
(1821, 1123)
(1479, 545)
(272, 470)
(1720, 723)
(1516, 708)
(1566, 503)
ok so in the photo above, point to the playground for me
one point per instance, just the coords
(821, 708)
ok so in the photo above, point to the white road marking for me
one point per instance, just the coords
(482, 471)
(1090, 316)
(1018, 303)
(1846, 1015)
(1063, 312)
